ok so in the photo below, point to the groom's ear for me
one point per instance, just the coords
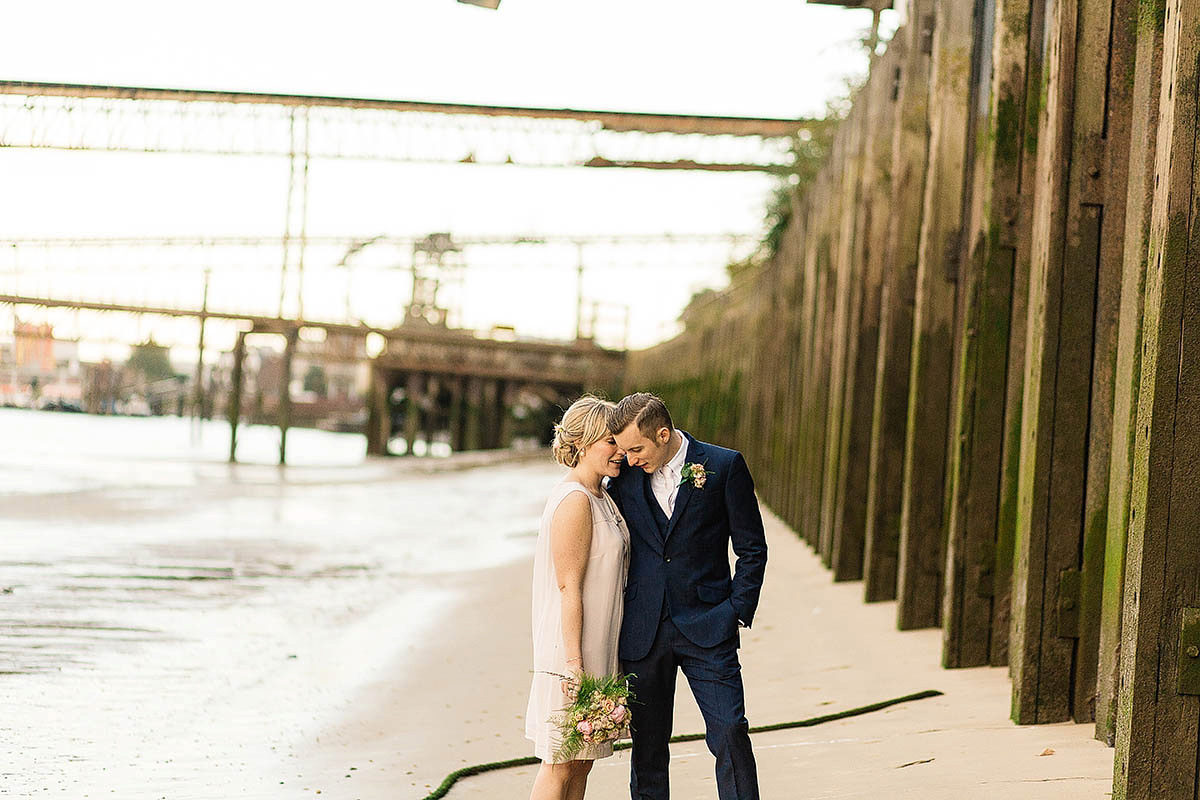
(663, 436)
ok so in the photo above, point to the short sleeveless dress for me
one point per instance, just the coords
(603, 594)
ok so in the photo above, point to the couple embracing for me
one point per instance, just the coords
(634, 576)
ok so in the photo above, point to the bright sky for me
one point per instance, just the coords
(766, 58)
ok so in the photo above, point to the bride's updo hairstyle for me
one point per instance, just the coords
(584, 423)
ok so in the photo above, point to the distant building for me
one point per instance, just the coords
(328, 383)
(38, 368)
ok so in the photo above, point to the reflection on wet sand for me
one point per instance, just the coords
(186, 630)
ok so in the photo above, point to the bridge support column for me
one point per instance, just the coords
(458, 422)
(506, 398)
(379, 413)
(413, 382)
(431, 415)
(473, 428)
(235, 394)
(491, 405)
(285, 390)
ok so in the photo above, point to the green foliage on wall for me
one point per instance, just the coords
(707, 406)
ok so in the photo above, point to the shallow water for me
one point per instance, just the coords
(166, 618)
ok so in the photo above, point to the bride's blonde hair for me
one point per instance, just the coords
(584, 423)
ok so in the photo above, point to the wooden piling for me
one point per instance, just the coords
(1053, 240)
(1144, 122)
(991, 347)
(871, 229)
(844, 272)
(1158, 712)
(922, 521)
(909, 161)
(1067, 412)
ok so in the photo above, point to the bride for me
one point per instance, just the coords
(578, 582)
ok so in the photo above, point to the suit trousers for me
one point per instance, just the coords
(715, 677)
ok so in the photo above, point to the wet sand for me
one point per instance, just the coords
(359, 632)
(194, 631)
(815, 649)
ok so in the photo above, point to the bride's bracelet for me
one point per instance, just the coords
(577, 658)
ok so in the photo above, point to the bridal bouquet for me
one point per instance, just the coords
(599, 712)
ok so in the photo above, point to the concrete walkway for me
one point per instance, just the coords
(815, 648)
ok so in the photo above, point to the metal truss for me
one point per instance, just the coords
(247, 278)
(131, 119)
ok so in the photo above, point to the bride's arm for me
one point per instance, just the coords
(570, 541)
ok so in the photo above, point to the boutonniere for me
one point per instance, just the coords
(696, 474)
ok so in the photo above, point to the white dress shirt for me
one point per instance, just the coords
(664, 481)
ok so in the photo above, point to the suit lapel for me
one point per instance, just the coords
(695, 453)
(644, 505)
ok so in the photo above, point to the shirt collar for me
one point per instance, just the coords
(676, 462)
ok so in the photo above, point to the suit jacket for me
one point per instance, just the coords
(684, 561)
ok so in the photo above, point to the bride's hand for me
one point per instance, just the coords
(570, 684)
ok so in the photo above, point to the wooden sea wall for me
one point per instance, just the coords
(969, 373)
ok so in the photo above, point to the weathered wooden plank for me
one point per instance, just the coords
(910, 149)
(922, 521)
(1158, 730)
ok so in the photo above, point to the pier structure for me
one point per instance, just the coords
(427, 381)
(967, 374)
(435, 381)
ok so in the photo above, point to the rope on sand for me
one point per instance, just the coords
(526, 761)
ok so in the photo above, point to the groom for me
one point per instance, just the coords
(685, 502)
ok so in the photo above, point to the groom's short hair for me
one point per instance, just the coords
(646, 410)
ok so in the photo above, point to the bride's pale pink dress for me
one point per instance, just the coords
(603, 594)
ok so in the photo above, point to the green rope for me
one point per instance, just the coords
(453, 778)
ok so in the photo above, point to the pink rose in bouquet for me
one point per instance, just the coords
(597, 711)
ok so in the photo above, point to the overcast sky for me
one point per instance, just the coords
(756, 58)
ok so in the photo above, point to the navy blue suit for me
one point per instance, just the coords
(682, 610)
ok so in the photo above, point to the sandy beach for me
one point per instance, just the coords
(815, 649)
(186, 629)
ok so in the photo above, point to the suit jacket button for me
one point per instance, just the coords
(668, 560)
